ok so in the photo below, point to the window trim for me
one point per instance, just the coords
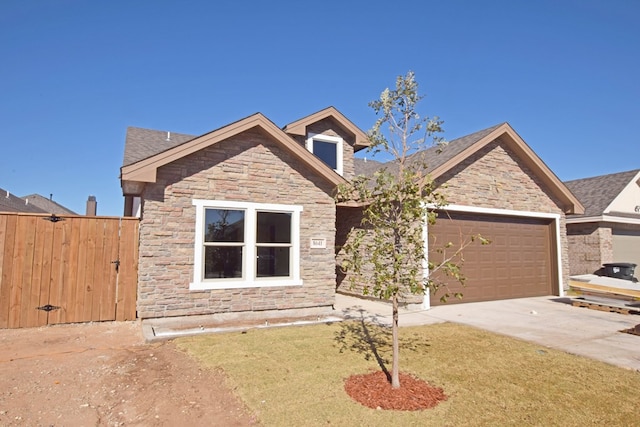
(338, 141)
(249, 278)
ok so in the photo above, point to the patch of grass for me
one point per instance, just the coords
(295, 376)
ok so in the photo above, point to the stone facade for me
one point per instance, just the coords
(494, 177)
(247, 167)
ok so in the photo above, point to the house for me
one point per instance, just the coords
(13, 203)
(243, 218)
(240, 219)
(33, 203)
(609, 229)
(498, 187)
(48, 205)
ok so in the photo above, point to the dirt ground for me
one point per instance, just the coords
(103, 374)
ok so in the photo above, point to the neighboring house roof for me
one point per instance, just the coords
(299, 127)
(11, 203)
(47, 205)
(598, 193)
(143, 159)
(441, 159)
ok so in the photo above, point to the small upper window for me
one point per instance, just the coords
(328, 149)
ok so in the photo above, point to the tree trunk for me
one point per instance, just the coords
(395, 369)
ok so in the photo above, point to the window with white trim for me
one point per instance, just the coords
(241, 244)
(328, 149)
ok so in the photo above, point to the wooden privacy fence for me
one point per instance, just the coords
(65, 269)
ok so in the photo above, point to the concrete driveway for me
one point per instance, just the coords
(548, 321)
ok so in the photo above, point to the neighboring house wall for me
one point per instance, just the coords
(247, 167)
(591, 246)
(494, 177)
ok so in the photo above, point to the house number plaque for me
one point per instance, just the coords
(318, 243)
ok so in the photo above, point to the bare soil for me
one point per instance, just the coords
(104, 374)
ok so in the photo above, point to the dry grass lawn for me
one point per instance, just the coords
(295, 376)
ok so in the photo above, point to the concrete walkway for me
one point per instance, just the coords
(548, 321)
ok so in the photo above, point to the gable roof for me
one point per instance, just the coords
(598, 192)
(47, 205)
(441, 159)
(299, 127)
(144, 169)
(11, 203)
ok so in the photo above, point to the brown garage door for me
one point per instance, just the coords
(519, 262)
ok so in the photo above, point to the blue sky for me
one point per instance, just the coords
(74, 74)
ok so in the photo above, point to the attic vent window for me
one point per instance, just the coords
(328, 149)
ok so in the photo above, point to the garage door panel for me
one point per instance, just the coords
(518, 262)
(626, 247)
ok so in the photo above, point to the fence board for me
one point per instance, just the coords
(35, 317)
(109, 272)
(128, 271)
(7, 243)
(59, 270)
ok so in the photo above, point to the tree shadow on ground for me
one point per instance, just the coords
(365, 335)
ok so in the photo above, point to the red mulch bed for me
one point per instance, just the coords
(374, 391)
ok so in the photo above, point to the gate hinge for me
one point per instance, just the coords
(53, 218)
(48, 307)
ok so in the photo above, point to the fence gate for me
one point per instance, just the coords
(65, 269)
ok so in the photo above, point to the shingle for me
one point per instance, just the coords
(596, 193)
(433, 156)
(47, 205)
(366, 167)
(143, 143)
(11, 203)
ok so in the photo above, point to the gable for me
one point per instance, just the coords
(607, 193)
(443, 162)
(628, 200)
(496, 177)
(135, 175)
(329, 118)
(462, 149)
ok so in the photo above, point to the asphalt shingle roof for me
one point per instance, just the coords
(143, 143)
(11, 203)
(47, 205)
(433, 156)
(596, 193)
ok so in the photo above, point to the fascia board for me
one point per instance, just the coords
(145, 170)
(299, 127)
(527, 155)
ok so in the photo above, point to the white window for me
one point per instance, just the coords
(241, 245)
(328, 149)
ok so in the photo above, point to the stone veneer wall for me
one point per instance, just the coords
(247, 167)
(590, 246)
(495, 177)
(347, 283)
(492, 178)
